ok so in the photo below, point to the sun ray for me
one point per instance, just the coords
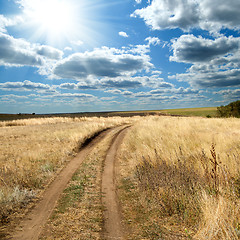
(53, 19)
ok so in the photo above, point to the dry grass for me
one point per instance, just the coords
(79, 212)
(34, 150)
(180, 178)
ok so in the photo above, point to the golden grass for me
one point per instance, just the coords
(79, 212)
(33, 150)
(183, 173)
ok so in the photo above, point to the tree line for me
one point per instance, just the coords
(230, 110)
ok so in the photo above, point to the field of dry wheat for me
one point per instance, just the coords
(180, 178)
(34, 150)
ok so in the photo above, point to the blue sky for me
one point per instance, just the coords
(110, 55)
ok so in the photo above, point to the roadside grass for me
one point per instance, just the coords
(79, 212)
(180, 178)
(35, 150)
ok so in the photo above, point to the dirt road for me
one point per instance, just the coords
(112, 216)
(32, 225)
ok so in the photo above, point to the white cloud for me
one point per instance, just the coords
(230, 94)
(181, 90)
(190, 49)
(81, 96)
(104, 62)
(211, 77)
(219, 14)
(114, 91)
(49, 52)
(67, 49)
(187, 14)
(107, 98)
(127, 93)
(216, 63)
(17, 52)
(161, 14)
(153, 41)
(156, 72)
(77, 42)
(7, 22)
(24, 86)
(123, 34)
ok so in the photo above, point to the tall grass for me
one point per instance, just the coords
(33, 150)
(186, 171)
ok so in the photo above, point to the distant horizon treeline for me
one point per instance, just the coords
(230, 110)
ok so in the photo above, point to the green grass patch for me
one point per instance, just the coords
(74, 192)
(200, 112)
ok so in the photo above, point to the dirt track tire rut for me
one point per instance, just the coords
(113, 227)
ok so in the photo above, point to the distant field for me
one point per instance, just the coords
(203, 112)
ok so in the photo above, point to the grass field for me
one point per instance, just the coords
(203, 112)
(179, 176)
(34, 150)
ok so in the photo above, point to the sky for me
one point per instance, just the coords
(68, 56)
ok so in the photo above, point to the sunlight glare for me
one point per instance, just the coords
(54, 17)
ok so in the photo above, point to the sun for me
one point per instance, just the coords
(51, 17)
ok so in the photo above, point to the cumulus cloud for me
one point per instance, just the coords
(230, 92)
(219, 14)
(69, 86)
(216, 63)
(114, 83)
(6, 22)
(78, 86)
(187, 14)
(114, 91)
(161, 14)
(211, 78)
(49, 52)
(143, 95)
(104, 62)
(229, 95)
(181, 90)
(23, 86)
(190, 49)
(77, 42)
(17, 52)
(127, 93)
(123, 34)
(74, 95)
(121, 82)
(165, 85)
(223, 71)
(134, 82)
(153, 41)
(67, 49)
(167, 94)
(185, 91)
